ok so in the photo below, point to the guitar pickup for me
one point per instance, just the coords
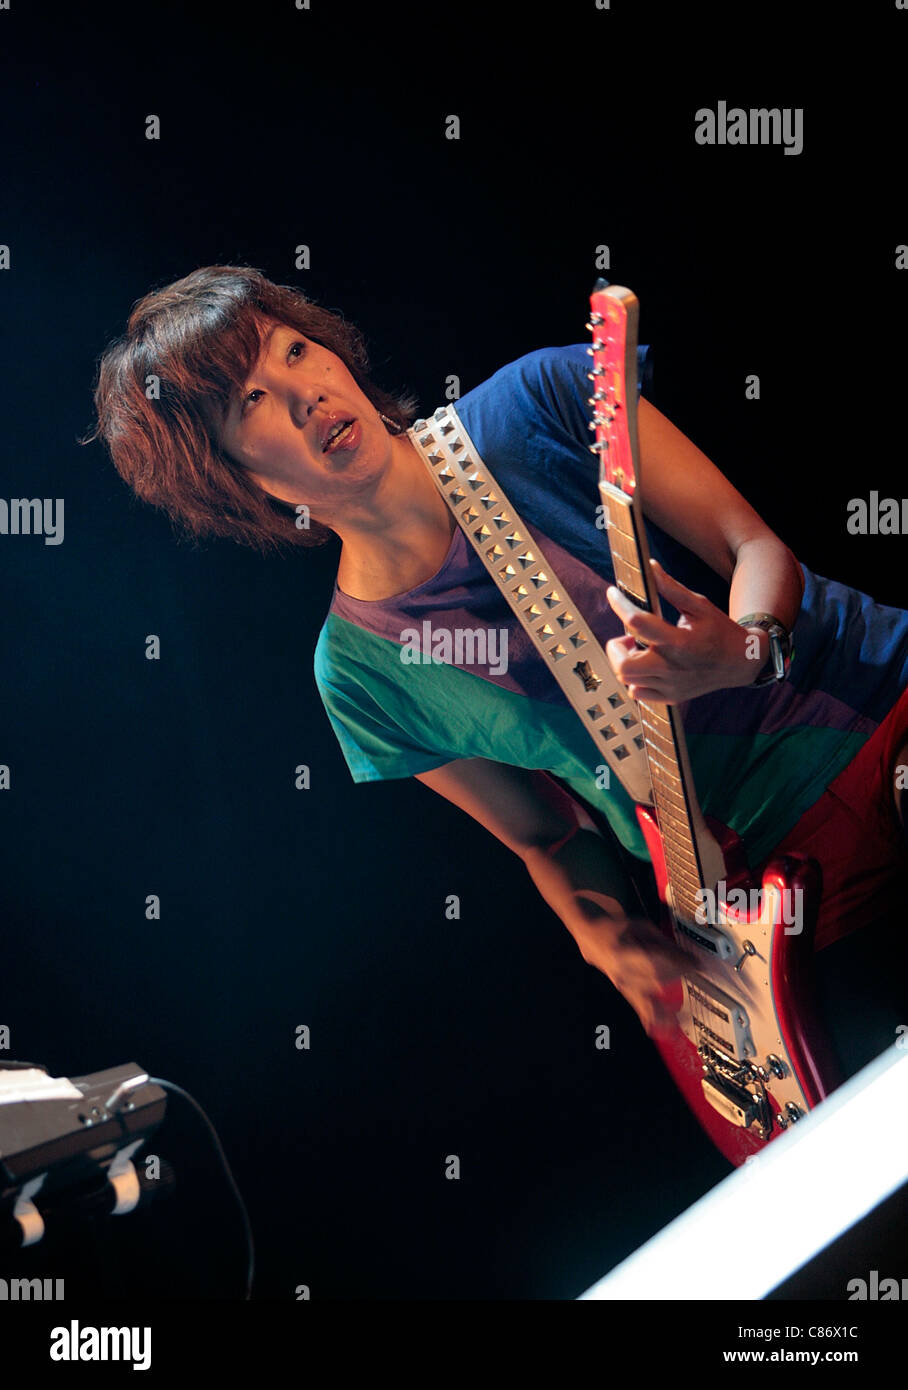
(708, 938)
(720, 1021)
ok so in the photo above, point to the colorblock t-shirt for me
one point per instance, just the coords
(445, 670)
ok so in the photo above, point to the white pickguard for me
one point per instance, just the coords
(749, 986)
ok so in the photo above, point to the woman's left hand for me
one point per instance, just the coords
(705, 651)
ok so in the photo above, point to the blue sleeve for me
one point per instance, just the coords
(560, 376)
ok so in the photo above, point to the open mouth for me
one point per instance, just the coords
(341, 435)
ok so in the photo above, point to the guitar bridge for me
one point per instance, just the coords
(738, 1105)
(730, 1083)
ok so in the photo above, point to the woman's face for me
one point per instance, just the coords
(297, 391)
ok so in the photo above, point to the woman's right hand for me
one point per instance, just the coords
(644, 964)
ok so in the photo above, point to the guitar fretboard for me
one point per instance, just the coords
(660, 724)
(693, 858)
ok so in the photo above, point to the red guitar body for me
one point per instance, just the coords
(784, 1025)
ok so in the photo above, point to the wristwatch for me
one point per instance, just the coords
(781, 647)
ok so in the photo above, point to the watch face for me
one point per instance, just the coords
(780, 652)
(779, 658)
(777, 652)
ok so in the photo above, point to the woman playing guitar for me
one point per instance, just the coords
(269, 429)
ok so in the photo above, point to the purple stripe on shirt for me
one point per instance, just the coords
(460, 595)
(770, 710)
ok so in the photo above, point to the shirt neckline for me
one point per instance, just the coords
(405, 593)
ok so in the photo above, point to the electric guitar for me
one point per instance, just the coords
(747, 1052)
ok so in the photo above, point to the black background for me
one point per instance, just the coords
(175, 777)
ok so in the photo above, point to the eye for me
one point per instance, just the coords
(297, 343)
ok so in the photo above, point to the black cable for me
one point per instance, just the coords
(247, 1227)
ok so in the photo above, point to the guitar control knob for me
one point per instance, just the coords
(748, 949)
(794, 1112)
(776, 1065)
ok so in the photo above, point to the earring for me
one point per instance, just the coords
(392, 425)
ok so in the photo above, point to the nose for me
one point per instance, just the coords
(302, 404)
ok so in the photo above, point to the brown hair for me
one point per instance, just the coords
(200, 337)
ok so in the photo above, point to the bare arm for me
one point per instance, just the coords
(688, 497)
(581, 879)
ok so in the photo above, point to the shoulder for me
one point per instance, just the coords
(354, 665)
(337, 653)
(549, 381)
(541, 395)
(535, 371)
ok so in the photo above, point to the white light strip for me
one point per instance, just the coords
(772, 1215)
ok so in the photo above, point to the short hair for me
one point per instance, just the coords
(201, 337)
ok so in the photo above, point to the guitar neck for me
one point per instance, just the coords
(694, 860)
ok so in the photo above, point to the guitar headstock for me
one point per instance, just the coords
(614, 314)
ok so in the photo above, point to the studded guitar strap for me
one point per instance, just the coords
(536, 594)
